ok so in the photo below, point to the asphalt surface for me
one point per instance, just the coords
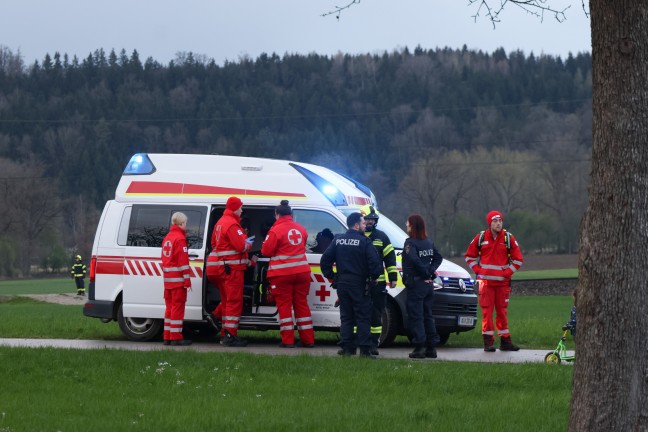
(444, 354)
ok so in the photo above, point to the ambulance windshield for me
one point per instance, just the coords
(395, 233)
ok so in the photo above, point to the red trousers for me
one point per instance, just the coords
(291, 292)
(231, 293)
(175, 300)
(494, 297)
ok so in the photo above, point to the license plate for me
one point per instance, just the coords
(466, 321)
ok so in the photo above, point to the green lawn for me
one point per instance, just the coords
(38, 286)
(105, 390)
(571, 273)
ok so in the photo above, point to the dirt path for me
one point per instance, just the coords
(63, 299)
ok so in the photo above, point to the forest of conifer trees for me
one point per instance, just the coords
(448, 133)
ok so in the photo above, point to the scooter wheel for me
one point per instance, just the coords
(552, 358)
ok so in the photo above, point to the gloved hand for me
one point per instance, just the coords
(250, 240)
(187, 284)
(566, 327)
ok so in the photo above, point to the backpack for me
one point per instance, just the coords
(507, 241)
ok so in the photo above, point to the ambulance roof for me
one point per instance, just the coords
(198, 178)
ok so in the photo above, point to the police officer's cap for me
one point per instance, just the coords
(353, 219)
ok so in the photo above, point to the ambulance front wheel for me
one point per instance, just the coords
(139, 329)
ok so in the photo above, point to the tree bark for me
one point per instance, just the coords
(610, 387)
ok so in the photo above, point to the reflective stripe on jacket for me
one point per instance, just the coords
(386, 253)
(491, 261)
(78, 270)
(175, 259)
(285, 244)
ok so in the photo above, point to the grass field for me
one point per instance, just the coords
(104, 390)
(37, 286)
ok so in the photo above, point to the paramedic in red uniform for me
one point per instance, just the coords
(175, 265)
(226, 266)
(494, 255)
(289, 275)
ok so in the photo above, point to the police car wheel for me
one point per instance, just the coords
(139, 329)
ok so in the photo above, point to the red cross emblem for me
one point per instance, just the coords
(166, 249)
(294, 237)
(322, 293)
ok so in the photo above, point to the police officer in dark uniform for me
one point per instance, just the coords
(358, 266)
(386, 253)
(420, 261)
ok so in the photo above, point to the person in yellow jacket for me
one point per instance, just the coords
(78, 273)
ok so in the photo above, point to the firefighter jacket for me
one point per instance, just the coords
(420, 260)
(354, 256)
(78, 270)
(386, 253)
(229, 247)
(175, 259)
(494, 260)
(285, 244)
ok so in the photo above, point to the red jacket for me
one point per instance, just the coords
(285, 244)
(228, 244)
(175, 259)
(492, 262)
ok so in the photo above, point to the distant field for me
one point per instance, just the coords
(542, 266)
(546, 274)
(38, 286)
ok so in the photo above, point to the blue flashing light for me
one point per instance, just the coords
(329, 190)
(139, 164)
(332, 193)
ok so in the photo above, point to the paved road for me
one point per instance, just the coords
(445, 354)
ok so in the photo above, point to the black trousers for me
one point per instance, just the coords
(355, 310)
(420, 322)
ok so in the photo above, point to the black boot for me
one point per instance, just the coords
(430, 350)
(366, 353)
(418, 353)
(507, 345)
(488, 343)
(229, 340)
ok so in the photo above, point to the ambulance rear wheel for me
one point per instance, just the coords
(139, 329)
(390, 324)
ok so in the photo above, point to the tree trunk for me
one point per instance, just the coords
(610, 389)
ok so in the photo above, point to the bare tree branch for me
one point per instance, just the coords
(537, 8)
(338, 9)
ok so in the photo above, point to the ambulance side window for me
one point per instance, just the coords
(148, 224)
(321, 227)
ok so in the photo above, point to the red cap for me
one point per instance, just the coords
(492, 215)
(233, 203)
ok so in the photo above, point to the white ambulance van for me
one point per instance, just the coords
(125, 272)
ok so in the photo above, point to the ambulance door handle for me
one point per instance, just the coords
(193, 255)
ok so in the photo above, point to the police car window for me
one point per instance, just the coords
(150, 223)
(321, 227)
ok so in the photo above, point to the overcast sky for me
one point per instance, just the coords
(227, 30)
